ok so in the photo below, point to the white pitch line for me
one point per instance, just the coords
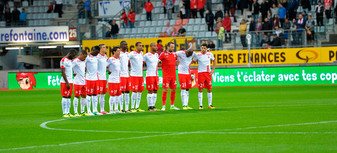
(256, 133)
(150, 136)
(44, 125)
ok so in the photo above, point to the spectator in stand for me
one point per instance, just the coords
(264, 8)
(182, 9)
(243, 29)
(309, 27)
(255, 9)
(58, 7)
(209, 20)
(159, 47)
(218, 25)
(277, 31)
(335, 6)
(148, 9)
(293, 29)
(300, 23)
(16, 16)
(169, 5)
(211, 45)
(233, 4)
(87, 5)
(319, 14)
(327, 8)
(274, 10)
(80, 7)
(50, 7)
(194, 8)
(270, 17)
(282, 12)
(8, 17)
(114, 29)
(23, 17)
(266, 25)
(227, 23)
(305, 15)
(244, 7)
(276, 41)
(108, 33)
(258, 28)
(182, 31)
(218, 14)
(226, 6)
(292, 8)
(164, 5)
(201, 7)
(187, 5)
(168, 30)
(131, 18)
(276, 21)
(251, 29)
(220, 37)
(124, 19)
(286, 26)
(265, 41)
(2, 4)
(174, 32)
(306, 5)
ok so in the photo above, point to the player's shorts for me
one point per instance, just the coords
(92, 87)
(137, 84)
(114, 89)
(185, 81)
(102, 86)
(64, 91)
(204, 80)
(152, 83)
(125, 84)
(80, 90)
(169, 82)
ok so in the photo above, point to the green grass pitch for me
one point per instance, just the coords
(254, 119)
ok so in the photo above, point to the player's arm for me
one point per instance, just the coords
(63, 73)
(214, 64)
(73, 67)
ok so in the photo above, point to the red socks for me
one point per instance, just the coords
(173, 97)
(164, 97)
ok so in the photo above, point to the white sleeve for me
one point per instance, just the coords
(195, 58)
(212, 57)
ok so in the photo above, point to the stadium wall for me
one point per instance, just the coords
(222, 77)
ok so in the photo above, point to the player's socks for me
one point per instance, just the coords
(102, 102)
(209, 96)
(68, 105)
(127, 101)
(149, 100)
(139, 97)
(182, 95)
(154, 99)
(164, 97)
(173, 97)
(116, 102)
(111, 102)
(95, 103)
(83, 102)
(200, 98)
(121, 102)
(133, 100)
(64, 105)
(187, 96)
(89, 104)
(75, 103)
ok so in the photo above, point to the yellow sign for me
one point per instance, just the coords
(277, 56)
(110, 43)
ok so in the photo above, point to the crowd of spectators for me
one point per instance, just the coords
(14, 17)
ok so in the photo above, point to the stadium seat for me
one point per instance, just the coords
(156, 11)
(31, 23)
(201, 34)
(148, 23)
(158, 4)
(191, 21)
(2, 23)
(25, 3)
(185, 21)
(160, 23)
(196, 28)
(208, 34)
(143, 11)
(122, 31)
(198, 21)
(158, 29)
(203, 27)
(36, 9)
(161, 17)
(11, 4)
(178, 22)
(172, 22)
(140, 30)
(143, 17)
(138, 17)
(36, 22)
(214, 34)
(154, 23)
(146, 30)
(189, 28)
(46, 3)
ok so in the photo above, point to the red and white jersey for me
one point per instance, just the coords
(184, 62)
(204, 61)
(66, 64)
(101, 67)
(151, 60)
(79, 70)
(91, 65)
(124, 58)
(136, 60)
(114, 66)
